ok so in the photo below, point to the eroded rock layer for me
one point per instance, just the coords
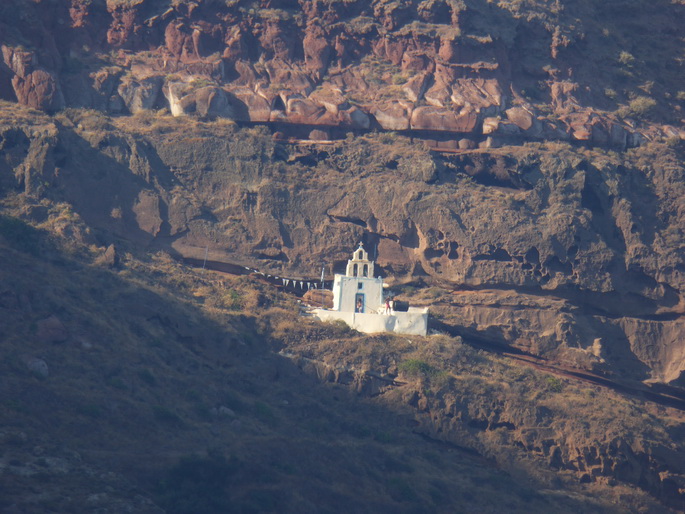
(485, 73)
(568, 255)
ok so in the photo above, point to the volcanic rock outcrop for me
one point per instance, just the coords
(445, 71)
(590, 243)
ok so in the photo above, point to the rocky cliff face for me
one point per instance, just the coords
(576, 256)
(456, 74)
(164, 126)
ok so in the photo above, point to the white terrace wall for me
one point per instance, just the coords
(414, 322)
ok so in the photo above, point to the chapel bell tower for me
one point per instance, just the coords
(357, 290)
(360, 266)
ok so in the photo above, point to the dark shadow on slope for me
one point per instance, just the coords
(145, 377)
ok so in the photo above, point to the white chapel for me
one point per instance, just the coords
(358, 300)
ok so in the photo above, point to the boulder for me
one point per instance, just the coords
(490, 125)
(33, 86)
(355, 118)
(393, 49)
(434, 118)
(449, 50)
(104, 83)
(147, 212)
(619, 136)
(208, 101)
(140, 94)
(39, 90)
(176, 93)
(213, 102)
(484, 96)
(283, 75)
(520, 117)
(110, 258)
(393, 115)
(466, 144)
(303, 110)
(251, 106)
(438, 95)
(415, 61)
(526, 121)
(489, 142)
(331, 99)
(416, 86)
(318, 135)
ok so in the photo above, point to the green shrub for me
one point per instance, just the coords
(641, 105)
(398, 79)
(554, 384)
(417, 368)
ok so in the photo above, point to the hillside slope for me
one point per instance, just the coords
(578, 256)
(140, 385)
(515, 166)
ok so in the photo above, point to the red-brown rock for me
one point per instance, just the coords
(331, 99)
(236, 44)
(520, 117)
(286, 76)
(317, 51)
(123, 27)
(439, 94)
(394, 50)
(251, 106)
(39, 90)
(481, 95)
(393, 115)
(417, 61)
(32, 86)
(439, 119)
(416, 86)
(277, 42)
(303, 110)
